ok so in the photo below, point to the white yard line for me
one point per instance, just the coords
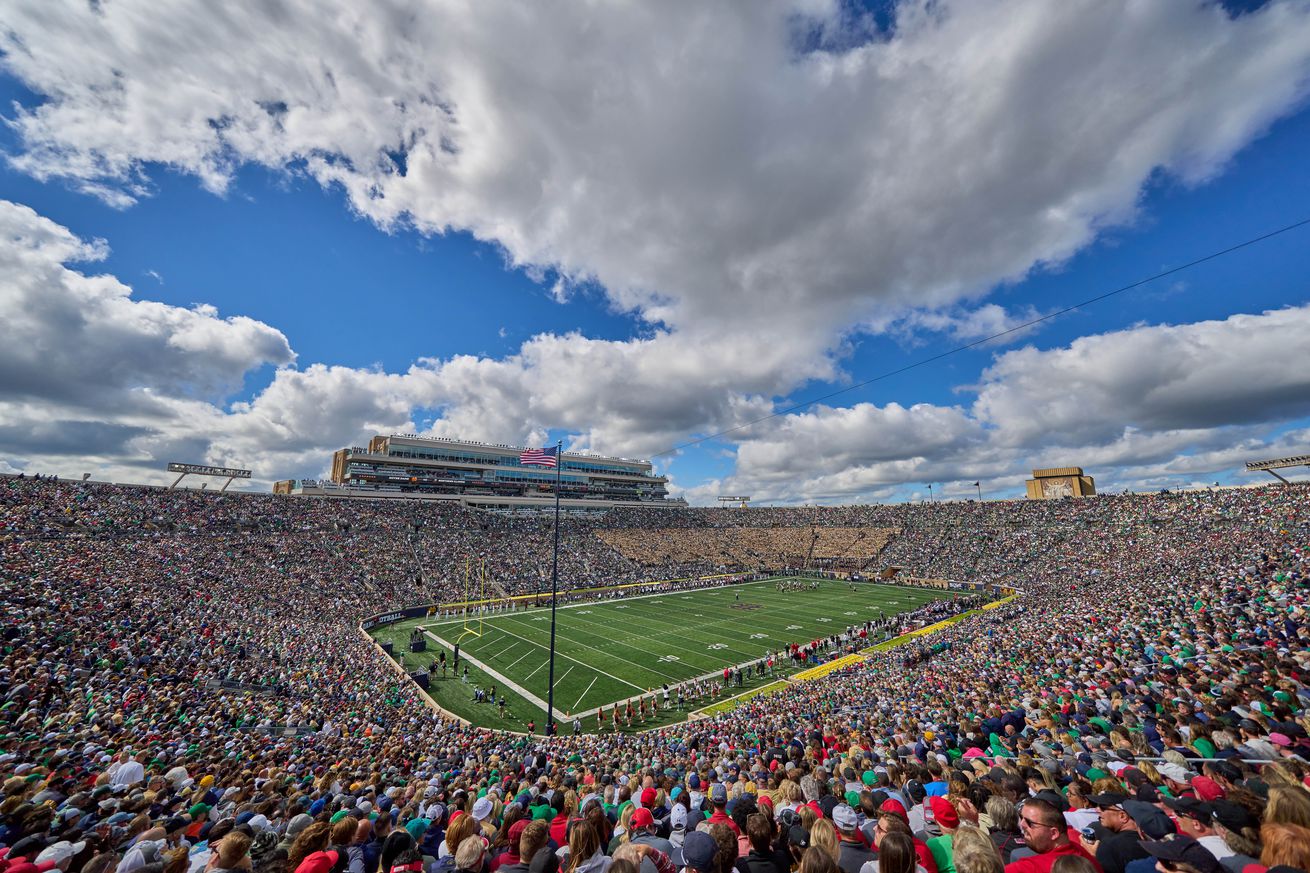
(521, 657)
(560, 654)
(584, 694)
(636, 664)
(503, 651)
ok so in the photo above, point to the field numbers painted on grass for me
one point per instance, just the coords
(717, 646)
(844, 613)
(823, 619)
(541, 618)
(759, 636)
(584, 612)
(793, 627)
(669, 658)
(625, 606)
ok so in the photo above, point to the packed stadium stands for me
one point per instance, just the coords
(748, 547)
(185, 688)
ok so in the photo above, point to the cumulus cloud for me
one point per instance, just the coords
(92, 375)
(708, 169)
(86, 369)
(89, 370)
(1146, 405)
(755, 181)
(67, 336)
(1158, 378)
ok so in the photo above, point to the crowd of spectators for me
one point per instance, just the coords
(185, 688)
(745, 546)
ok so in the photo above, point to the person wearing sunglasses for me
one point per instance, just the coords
(1043, 828)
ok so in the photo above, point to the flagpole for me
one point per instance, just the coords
(978, 485)
(554, 585)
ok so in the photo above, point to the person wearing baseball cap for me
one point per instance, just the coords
(482, 809)
(694, 793)
(641, 831)
(853, 853)
(1177, 779)
(510, 856)
(1240, 830)
(700, 853)
(719, 800)
(59, 855)
(1118, 841)
(1182, 853)
(525, 843)
(1196, 820)
(319, 862)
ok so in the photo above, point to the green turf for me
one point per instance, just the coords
(613, 650)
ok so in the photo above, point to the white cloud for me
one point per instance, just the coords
(99, 380)
(66, 335)
(1158, 404)
(961, 323)
(751, 201)
(1160, 378)
(699, 166)
(90, 371)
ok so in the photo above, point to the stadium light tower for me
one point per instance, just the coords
(1274, 464)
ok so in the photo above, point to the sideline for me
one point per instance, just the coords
(731, 703)
(522, 692)
(427, 698)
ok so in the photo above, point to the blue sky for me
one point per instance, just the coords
(356, 284)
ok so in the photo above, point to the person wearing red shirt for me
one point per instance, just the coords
(559, 825)
(1044, 830)
(719, 799)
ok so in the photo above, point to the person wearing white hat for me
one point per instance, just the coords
(61, 853)
(482, 809)
(1176, 778)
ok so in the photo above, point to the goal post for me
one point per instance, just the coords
(475, 589)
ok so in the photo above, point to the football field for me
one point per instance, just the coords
(610, 651)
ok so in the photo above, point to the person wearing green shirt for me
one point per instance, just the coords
(949, 821)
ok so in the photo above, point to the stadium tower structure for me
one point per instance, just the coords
(488, 476)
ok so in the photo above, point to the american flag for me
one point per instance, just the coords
(540, 457)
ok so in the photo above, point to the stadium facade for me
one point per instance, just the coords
(485, 475)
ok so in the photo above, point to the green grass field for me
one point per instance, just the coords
(614, 650)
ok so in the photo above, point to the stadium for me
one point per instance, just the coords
(771, 436)
(207, 661)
